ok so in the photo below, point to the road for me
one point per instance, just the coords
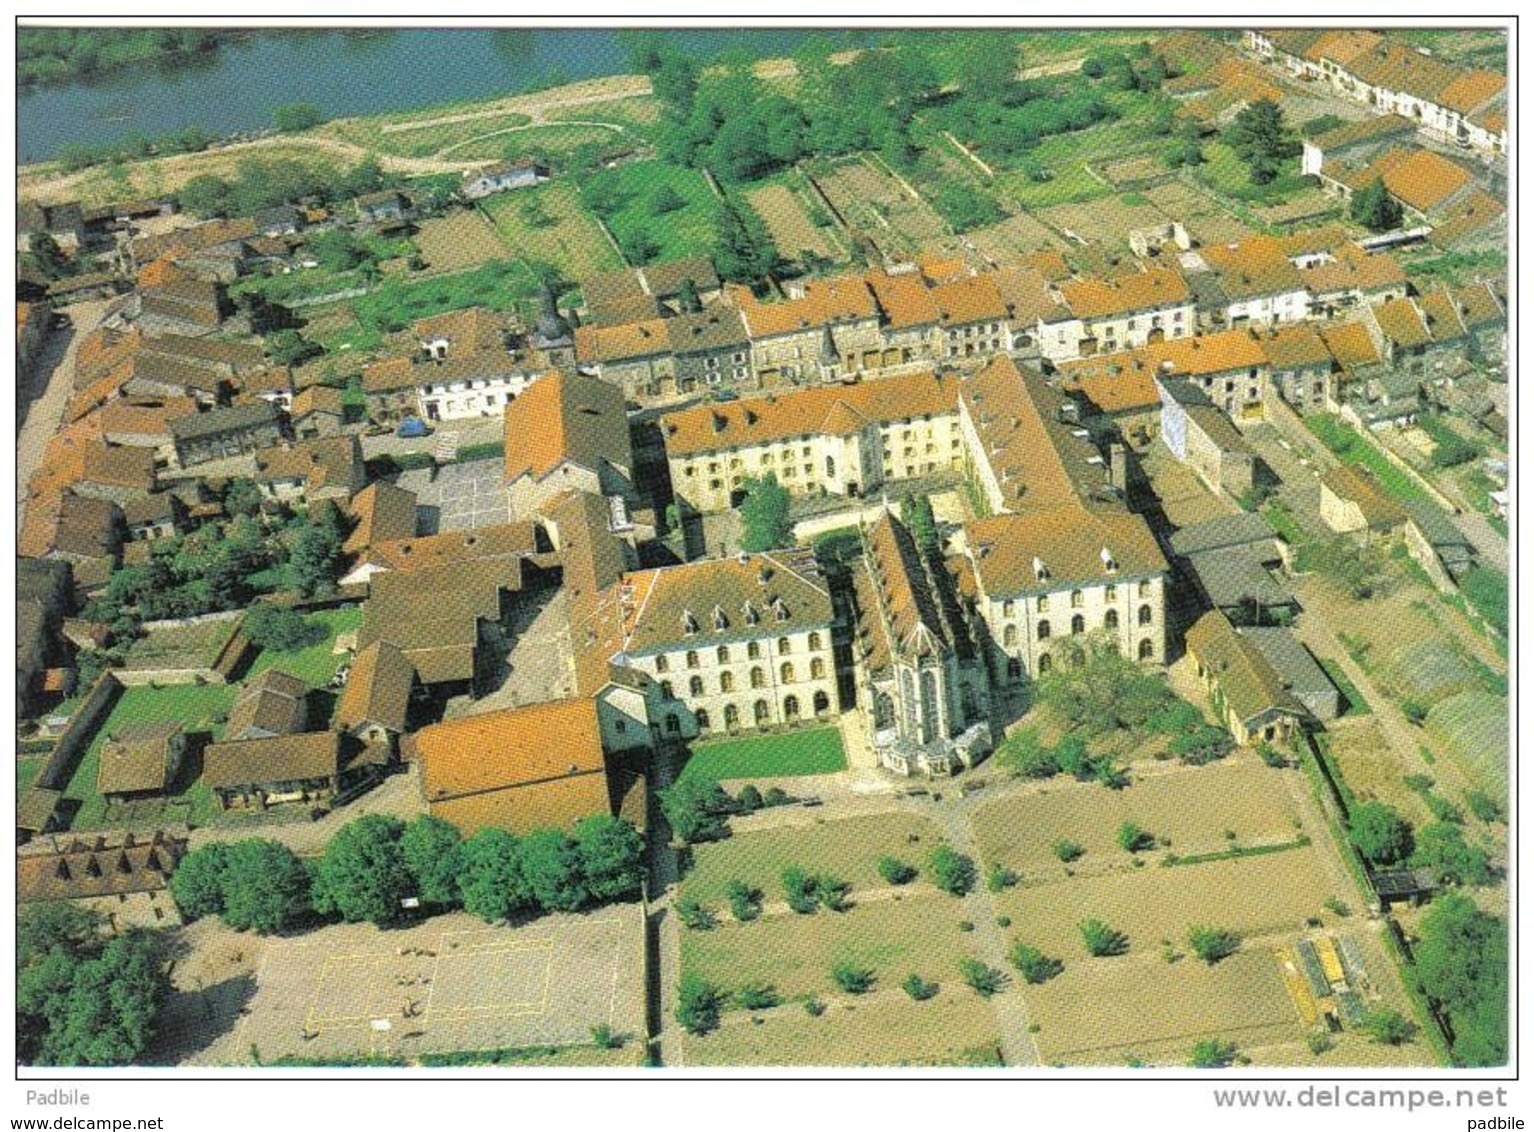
(56, 373)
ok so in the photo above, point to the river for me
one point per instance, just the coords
(349, 73)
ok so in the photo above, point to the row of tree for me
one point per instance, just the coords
(374, 866)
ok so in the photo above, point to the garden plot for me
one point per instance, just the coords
(1206, 221)
(458, 241)
(792, 226)
(877, 205)
(1107, 221)
(1015, 239)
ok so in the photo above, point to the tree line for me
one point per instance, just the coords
(382, 870)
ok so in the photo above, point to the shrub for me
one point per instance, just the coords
(1212, 944)
(775, 797)
(966, 925)
(952, 871)
(694, 915)
(272, 627)
(1066, 850)
(1205, 744)
(1380, 834)
(1033, 964)
(757, 997)
(1211, 1053)
(831, 891)
(602, 1037)
(1026, 755)
(852, 978)
(799, 891)
(1101, 940)
(750, 799)
(986, 981)
(896, 871)
(1388, 1027)
(918, 988)
(999, 877)
(1318, 1042)
(697, 1009)
(745, 901)
(1132, 839)
(814, 1007)
(1271, 755)
(1484, 806)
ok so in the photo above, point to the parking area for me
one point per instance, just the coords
(459, 497)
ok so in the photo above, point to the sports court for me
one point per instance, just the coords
(450, 983)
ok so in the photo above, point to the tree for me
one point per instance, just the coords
(1211, 1053)
(764, 514)
(952, 871)
(1259, 136)
(743, 251)
(1360, 570)
(1462, 962)
(362, 875)
(749, 799)
(205, 195)
(197, 885)
(45, 258)
(242, 496)
(988, 64)
(266, 887)
(918, 988)
(1212, 944)
(745, 901)
(611, 853)
(1098, 689)
(896, 871)
(1132, 839)
(551, 868)
(984, 981)
(295, 117)
(490, 880)
(290, 348)
(666, 199)
(1375, 208)
(1388, 1027)
(1066, 850)
(697, 1009)
(852, 978)
(640, 247)
(1204, 744)
(1027, 756)
(433, 853)
(1101, 940)
(279, 628)
(315, 560)
(695, 809)
(799, 890)
(1033, 964)
(687, 297)
(1442, 848)
(1380, 834)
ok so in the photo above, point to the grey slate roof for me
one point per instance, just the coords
(1305, 678)
(215, 421)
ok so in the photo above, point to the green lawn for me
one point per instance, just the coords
(1226, 173)
(769, 756)
(624, 197)
(398, 302)
(1283, 524)
(195, 707)
(317, 663)
(27, 770)
(1353, 448)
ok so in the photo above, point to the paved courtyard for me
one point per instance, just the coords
(459, 497)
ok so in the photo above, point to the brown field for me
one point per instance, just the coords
(1098, 1010)
(1129, 170)
(885, 1029)
(875, 204)
(459, 241)
(1311, 205)
(447, 984)
(795, 954)
(789, 224)
(1372, 770)
(1014, 239)
(850, 849)
(1107, 221)
(575, 243)
(1252, 895)
(1204, 219)
(1192, 807)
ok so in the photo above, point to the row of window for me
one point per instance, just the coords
(757, 678)
(1078, 598)
(722, 654)
(1145, 651)
(761, 712)
(1078, 625)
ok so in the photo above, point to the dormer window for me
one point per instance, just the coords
(689, 622)
(779, 610)
(1110, 564)
(1040, 571)
(721, 622)
(751, 614)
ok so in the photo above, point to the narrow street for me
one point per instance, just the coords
(55, 372)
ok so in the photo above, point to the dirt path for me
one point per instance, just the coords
(441, 153)
(537, 106)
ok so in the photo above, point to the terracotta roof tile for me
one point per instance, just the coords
(844, 298)
(566, 417)
(1351, 345)
(905, 299)
(1068, 542)
(502, 749)
(970, 299)
(377, 689)
(831, 408)
(381, 511)
(1146, 290)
